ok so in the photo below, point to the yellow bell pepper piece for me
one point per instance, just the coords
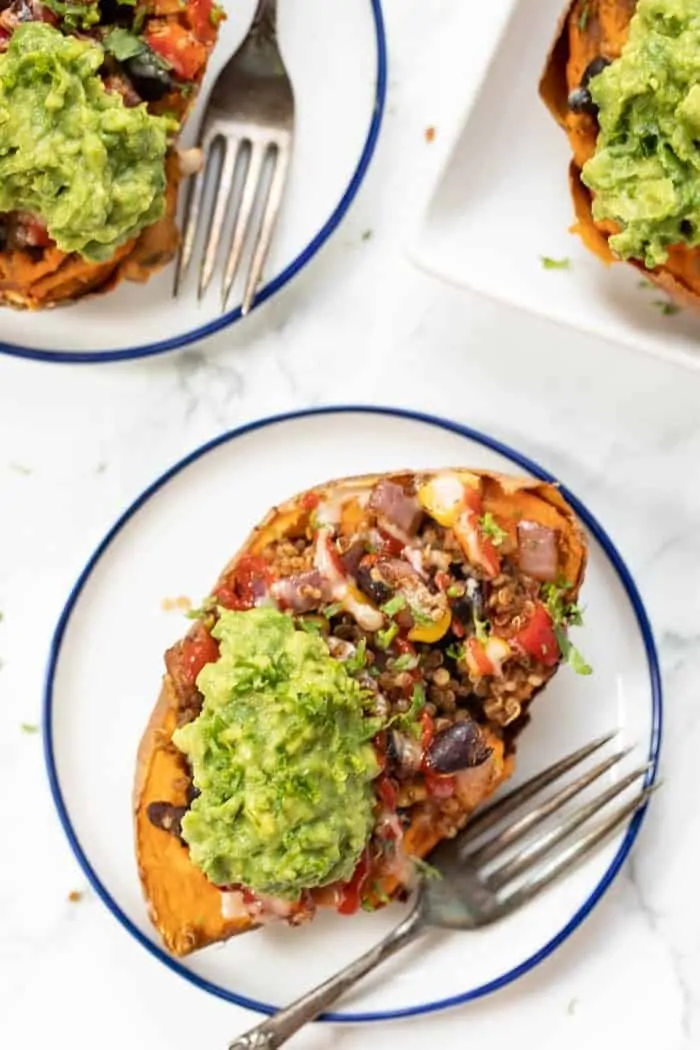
(431, 632)
(443, 498)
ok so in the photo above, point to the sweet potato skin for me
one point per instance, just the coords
(186, 908)
(586, 30)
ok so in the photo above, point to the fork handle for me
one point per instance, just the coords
(266, 16)
(277, 1029)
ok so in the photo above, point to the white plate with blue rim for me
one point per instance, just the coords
(494, 203)
(336, 57)
(173, 541)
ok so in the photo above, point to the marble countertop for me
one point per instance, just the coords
(78, 443)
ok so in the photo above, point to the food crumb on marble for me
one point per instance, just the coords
(430, 134)
(180, 604)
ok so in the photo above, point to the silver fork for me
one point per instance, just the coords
(469, 891)
(249, 114)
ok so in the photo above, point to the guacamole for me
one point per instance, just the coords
(645, 174)
(281, 756)
(72, 152)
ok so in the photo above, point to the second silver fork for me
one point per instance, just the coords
(249, 123)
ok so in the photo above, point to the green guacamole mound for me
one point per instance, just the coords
(72, 152)
(281, 756)
(645, 173)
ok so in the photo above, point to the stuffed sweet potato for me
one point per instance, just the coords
(92, 96)
(348, 694)
(621, 80)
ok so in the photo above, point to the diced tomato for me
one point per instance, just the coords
(472, 500)
(350, 893)
(477, 658)
(440, 786)
(458, 629)
(427, 729)
(178, 46)
(390, 544)
(404, 646)
(196, 650)
(537, 638)
(201, 17)
(310, 500)
(250, 579)
(490, 558)
(387, 792)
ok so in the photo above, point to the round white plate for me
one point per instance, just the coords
(104, 677)
(336, 57)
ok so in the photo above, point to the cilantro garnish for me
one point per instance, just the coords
(584, 15)
(455, 590)
(123, 44)
(358, 659)
(425, 869)
(555, 264)
(405, 662)
(207, 607)
(455, 651)
(408, 720)
(332, 610)
(75, 15)
(394, 605)
(491, 528)
(310, 624)
(420, 618)
(482, 629)
(386, 637)
(29, 727)
(565, 614)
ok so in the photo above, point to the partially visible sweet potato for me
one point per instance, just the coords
(590, 29)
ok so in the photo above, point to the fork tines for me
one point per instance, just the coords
(539, 859)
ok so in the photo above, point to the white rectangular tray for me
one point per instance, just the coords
(496, 197)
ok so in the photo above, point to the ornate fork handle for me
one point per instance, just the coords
(276, 1030)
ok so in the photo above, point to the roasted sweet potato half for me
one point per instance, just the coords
(447, 596)
(590, 35)
(153, 55)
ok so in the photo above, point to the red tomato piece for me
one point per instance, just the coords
(310, 501)
(250, 580)
(197, 650)
(387, 792)
(350, 893)
(537, 638)
(439, 786)
(179, 47)
(476, 650)
(200, 14)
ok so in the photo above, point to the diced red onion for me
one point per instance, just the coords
(538, 555)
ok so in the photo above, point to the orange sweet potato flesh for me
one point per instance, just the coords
(183, 905)
(590, 29)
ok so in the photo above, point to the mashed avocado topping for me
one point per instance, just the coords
(70, 151)
(281, 756)
(645, 173)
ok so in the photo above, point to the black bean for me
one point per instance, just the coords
(148, 76)
(461, 746)
(593, 69)
(166, 816)
(472, 606)
(377, 591)
(580, 101)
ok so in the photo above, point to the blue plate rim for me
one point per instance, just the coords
(185, 339)
(525, 463)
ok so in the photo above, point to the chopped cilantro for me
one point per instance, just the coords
(75, 15)
(455, 590)
(123, 44)
(565, 614)
(408, 720)
(482, 628)
(425, 869)
(584, 16)
(421, 618)
(386, 637)
(666, 308)
(29, 727)
(394, 605)
(555, 264)
(310, 624)
(491, 528)
(455, 651)
(358, 659)
(332, 610)
(405, 662)
(377, 891)
(207, 607)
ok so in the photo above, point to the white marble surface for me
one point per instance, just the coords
(78, 443)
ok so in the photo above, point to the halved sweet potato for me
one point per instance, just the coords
(589, 29)
(183, 905)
